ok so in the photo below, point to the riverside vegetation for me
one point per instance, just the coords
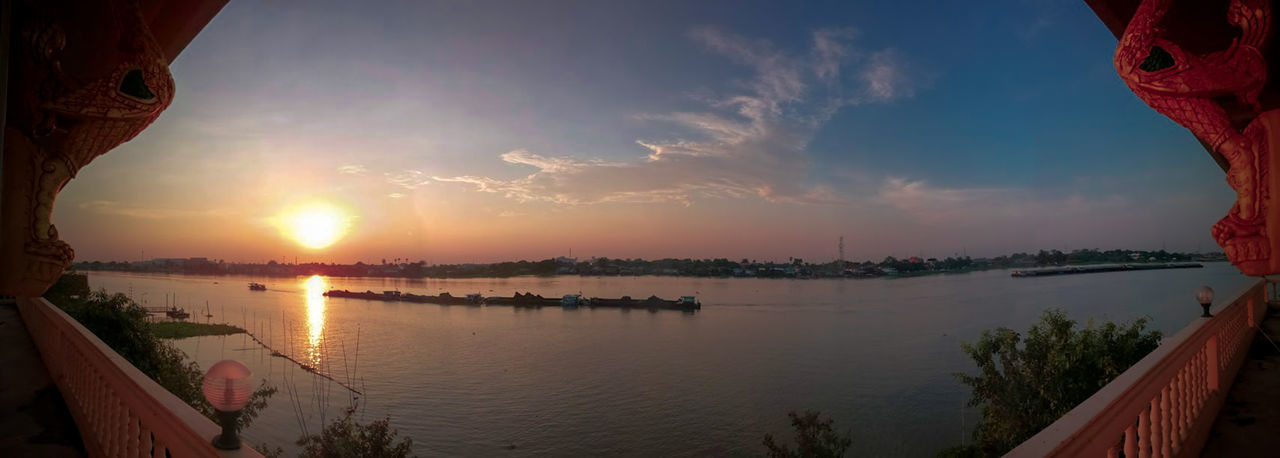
(1026, 382)
(1023, 383)
(121, 324)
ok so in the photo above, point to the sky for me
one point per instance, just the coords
(474, 131)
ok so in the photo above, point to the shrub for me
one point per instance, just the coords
(814, 439)
(1024, 385)
(345, 437)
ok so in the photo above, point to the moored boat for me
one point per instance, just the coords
(572, 301)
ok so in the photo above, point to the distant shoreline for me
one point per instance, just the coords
(886, 277)
(795, 268)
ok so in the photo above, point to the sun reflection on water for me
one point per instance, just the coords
(315, 286)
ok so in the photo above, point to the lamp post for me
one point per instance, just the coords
(226, 387)
(1204, 295)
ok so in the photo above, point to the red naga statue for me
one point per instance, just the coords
(1191, 90)
(84, 77)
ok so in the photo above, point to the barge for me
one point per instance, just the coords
(529, 300)
(396, 296)
(653, 302)
(1069, 270)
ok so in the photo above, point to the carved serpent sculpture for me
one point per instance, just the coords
(1184, 87)
(68, 117)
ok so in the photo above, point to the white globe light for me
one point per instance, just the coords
(226, 385)
(1204, 295)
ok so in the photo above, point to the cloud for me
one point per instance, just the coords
(830, 48)
(994, 207)
(510, 214)
(108, 207)
(352, 169)
(395, 195)
(749, 142)
(886, 77)
(408, 179)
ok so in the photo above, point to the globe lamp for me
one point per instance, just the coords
(1204, 295)
(227, 388)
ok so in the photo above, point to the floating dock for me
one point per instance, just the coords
(529, 300)
(1051, 271)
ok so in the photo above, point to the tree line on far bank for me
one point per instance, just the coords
(718, 267)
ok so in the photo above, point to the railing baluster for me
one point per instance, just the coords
(1130, 442)
(159, 449)
(1156, 436)
(121, 427)
(145, 444)
(1175, 391)
(1189, 408)
(1180, 414)
(131, 446)
(1213, 364)
(1166, 423)
(1198, 383)
(1144, 435)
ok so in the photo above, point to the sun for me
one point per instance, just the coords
(315, 226)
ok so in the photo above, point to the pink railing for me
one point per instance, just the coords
(1165, 404)
(118, 409)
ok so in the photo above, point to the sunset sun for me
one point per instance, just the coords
(315, 226)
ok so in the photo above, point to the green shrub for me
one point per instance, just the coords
(814, 439)
(1025, 384)
(345, 437)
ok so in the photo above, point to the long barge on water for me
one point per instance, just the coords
(530, 300)
(1068, 270)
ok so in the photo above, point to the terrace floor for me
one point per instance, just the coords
(1249, 422)
(34, 421)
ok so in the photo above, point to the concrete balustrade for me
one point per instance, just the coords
(1165, 405)
(118, 409)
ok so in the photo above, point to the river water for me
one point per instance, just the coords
(876, 355)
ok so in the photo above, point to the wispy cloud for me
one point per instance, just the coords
(886, 77)
(749, 142)
(408, 179)
(830, 48)
(108, 207)
(942, 206)
(352, 169)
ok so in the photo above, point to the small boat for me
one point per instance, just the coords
(178, 313)
(572, 301)
(257, 287)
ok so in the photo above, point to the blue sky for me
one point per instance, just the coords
(471, 131)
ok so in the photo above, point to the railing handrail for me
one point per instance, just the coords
(1107, 419)
(118, 409)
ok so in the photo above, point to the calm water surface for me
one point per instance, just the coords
(876, 355)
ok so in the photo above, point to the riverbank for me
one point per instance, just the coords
(182, 329)
(667, 267)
